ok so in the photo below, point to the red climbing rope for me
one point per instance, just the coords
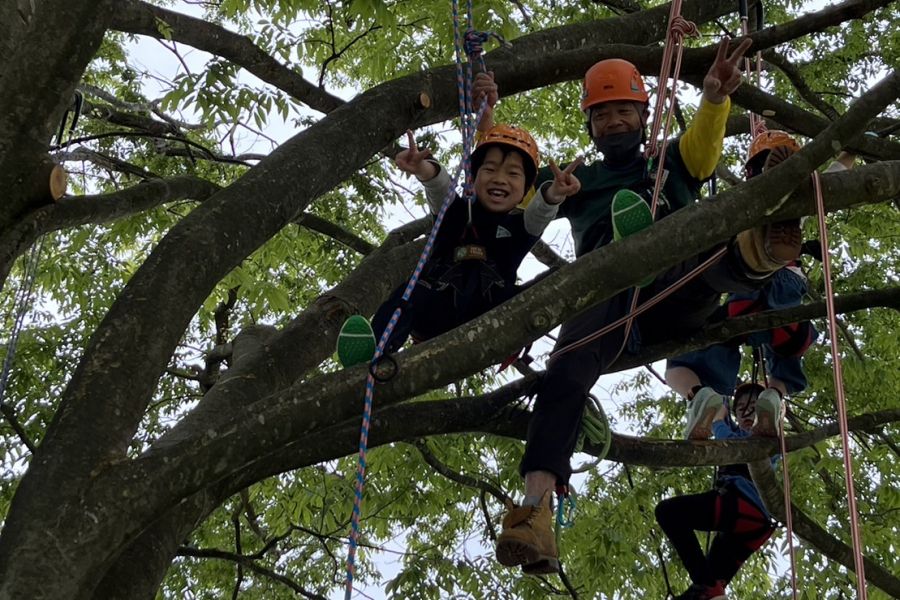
(672, 50)
(839, 392)
(786, 487)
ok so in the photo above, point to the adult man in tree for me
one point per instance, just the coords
(615, 106)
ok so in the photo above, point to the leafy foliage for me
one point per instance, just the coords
(424, 536)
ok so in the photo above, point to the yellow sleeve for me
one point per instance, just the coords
(701, 145)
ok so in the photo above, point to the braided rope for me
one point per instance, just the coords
(679, 27)
(839, 393)
(468, 125)
(788, 507)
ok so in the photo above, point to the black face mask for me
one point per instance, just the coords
(619, 147)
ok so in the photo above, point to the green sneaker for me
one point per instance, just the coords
(356, 341)
(630, 214)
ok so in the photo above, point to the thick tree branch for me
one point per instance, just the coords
(73, 211)
(134, 16)
(49, 46)
(814, 534)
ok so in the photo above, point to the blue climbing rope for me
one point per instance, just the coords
(468, 124)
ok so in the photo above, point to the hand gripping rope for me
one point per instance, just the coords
(468, 123)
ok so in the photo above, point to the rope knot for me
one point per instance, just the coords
(474, 42)
(681, 27)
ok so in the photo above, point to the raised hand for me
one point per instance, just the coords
(483, 86)
(412, 160)
(564, 184)
(724, 75)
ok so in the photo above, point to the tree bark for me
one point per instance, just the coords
(81, 503)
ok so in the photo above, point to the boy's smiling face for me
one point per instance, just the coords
(500, 182)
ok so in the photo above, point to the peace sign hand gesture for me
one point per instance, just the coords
(724, 75)
(564, 184)
(412, 160)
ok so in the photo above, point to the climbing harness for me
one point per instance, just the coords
(839, 391)
(468, 123)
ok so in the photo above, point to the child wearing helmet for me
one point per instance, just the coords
(733, 509)
(704, 376)
(480, 245)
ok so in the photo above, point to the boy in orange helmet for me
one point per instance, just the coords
(480, 245)
(615, 106)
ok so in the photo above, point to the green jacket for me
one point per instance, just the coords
(690, 160)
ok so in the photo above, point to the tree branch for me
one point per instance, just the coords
(460, 478)
(49, 47)
(134, 16)
(9, 413)
(80, 210)
(793, 74)
(250, 564)
(336, 232)
(809, 530)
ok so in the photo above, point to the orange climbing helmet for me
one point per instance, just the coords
(769, 140)
(508, 135)
(612, 79)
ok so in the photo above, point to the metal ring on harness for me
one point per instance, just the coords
(375, 368)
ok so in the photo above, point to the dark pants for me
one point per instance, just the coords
(559, 407)
(740, 525)
(438, 305)
(718, 365)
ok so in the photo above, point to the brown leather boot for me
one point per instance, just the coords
(527, 539)
(767, 248)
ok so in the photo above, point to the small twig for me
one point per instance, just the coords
(482, 499)
(568, 584)
(461, 478)
(10, 413)
(236, 521)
